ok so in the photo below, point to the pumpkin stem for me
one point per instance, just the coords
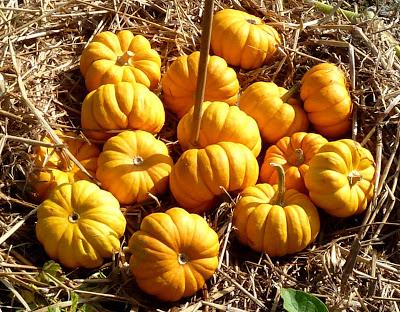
(202, 70)
(73, 217)
(182, 259)
(299, 157)
(290, 92)
(251, 21)
(138, 160)
(124, 58)
(353, 177)
(281, 183)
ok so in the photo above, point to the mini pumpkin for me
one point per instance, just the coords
(294, 154)
(276, 221)
(327, 100)
(201, 175)
(79, 225)
(180, 81)
(220, 122)
(277, 116)
(134, 164)
(340, 178)
(173, 254)
(243, 39)
(53, 168)
(121, 106)
(111, 58)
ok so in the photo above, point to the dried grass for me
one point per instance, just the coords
(354, 265)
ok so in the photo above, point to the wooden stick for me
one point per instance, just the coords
(202, 71)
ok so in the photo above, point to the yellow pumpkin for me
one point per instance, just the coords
(201, 175)
(294, 154)
(134, 164)
(173, 254)
(121, 106)
(340, 178)
(276, 116)
(79, 225)
(111, 58)
(243, 39)
(180, 81)
(327, 100)
(276, 221)
(53, 168)
(220, 122)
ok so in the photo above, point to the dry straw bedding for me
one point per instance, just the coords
(40, 44)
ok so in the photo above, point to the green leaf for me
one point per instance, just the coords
(53, 269)
(53, 309)
(300, 301)
(75, 301)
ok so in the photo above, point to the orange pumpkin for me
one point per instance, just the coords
(180, 80)
(276, 115)
(173, 254)
(112, 58)
(294, 154)
(220, 122)
(327, 100)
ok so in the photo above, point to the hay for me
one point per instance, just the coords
(354, 265)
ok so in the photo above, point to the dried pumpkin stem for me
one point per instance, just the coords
(182, 258)
(353, 177)
(281, 183)
(290, 92)
(73, 217)
(124, 58)
(299, 156)
(137, 160)
(202, 71)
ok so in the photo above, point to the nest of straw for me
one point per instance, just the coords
(355, 263)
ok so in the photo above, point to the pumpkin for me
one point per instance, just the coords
(340, 178)
(121, 106)
(173, 254)
(327, 100)
(220, 122)
(294, 154)
(53, 168)
(243, 39)
(201, 175)
(276, 115)
(79, 225)
(111, 58)
(180, 81)
(134, 164)
(276, 221)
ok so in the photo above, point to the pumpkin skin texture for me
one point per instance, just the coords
(180, 80)
(121, 106)
(327, 100)
(340, 178)
(46, 180)
(134, 164)
(294, 154)
(273, 228)
(242, 39)
(80, 224)
(220, 122)
(173, 254)
(112, 58)
(275, 118)
(200, 174)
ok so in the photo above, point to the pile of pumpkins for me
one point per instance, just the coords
(174, 252)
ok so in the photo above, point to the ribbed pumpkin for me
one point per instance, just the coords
(80, 224)
(243, 39)
(294, 154)
(340, 178)
(121, 106)
(111, 58)
(276, 221)
(53, 168)
(276, 116)
(134, 164)
(201, 175)
(173, 254)
(327, 100)
(220, 122)
(179, 83)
